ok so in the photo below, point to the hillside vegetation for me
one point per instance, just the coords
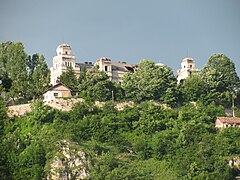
(169, 133)
(140, 142)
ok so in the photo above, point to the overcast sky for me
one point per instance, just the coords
(164, 31)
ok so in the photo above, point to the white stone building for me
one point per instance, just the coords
(114, 70)
(63, 59)
(56, 91)
(188, 67)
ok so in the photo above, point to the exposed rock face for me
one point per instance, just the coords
(64, 104)
(69, 163)
(61, 104)
(58, 103)
(18, 110)
(121, 106)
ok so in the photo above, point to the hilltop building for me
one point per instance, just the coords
(64, 58)
(114, 70)
(223, 122)
(188, 67)
(58, 90)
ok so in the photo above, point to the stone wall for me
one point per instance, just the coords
(18, 110)
(61, 104)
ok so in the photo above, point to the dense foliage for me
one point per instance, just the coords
(22, 76)
(69, 79)
(147, 141)
(220, 78)
(168, 134)
(96, 86)
(151, 82)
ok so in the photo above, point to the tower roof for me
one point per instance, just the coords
(64, 49)
(63, 46)
(188, 60)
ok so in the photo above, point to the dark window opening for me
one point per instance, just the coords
(55, 94)
(106, 68)
(130, 69)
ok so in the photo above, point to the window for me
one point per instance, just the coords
(68, 64)
(66, 52)
(106, 68)
(55, 94)
(190, 66)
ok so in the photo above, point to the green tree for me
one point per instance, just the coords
(32, 63)
(69, 79)
(13, 68)
(39, 75)
(4, 172)
(192, 88)
(31, 162)
(96, 86)
(150, 82)
(6, 82)
(83, 73)
(220, 78)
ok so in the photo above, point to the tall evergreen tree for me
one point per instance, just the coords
(69, 79)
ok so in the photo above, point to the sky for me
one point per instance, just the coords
(164, 31)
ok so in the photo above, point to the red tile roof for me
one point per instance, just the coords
(229, 120)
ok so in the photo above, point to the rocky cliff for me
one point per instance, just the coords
(69, 163)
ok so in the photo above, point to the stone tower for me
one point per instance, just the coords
(63, 59)
(188, 66)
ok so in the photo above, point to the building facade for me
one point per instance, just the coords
(224, 122)
(114, 70)
(58, 90)
(63, 59)
(188, 67)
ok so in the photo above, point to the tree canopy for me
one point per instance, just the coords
(13, 70)
(22, 75)
(220, 78)
(96, 86)
(39, 75)
(140, 142)
(69, 79)
(150, 82)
